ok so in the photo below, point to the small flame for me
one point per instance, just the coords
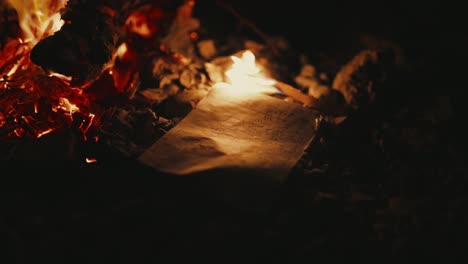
(38, 18)
(246, 76)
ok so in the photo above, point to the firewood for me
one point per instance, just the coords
(87, 41)
(364, 76)
(84, 44)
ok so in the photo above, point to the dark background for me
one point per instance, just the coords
(430, 32)
(314, 23)
(431, 36)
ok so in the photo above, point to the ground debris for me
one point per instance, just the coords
(207, 49)
(182, 32)
(131, 130)
(363, 76)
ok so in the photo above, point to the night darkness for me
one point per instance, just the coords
(430, 34)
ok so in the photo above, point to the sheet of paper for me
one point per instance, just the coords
(236, 133)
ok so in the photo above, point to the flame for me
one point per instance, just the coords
(38, 18)
(246, 76)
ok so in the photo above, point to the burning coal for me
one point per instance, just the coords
(33, 102)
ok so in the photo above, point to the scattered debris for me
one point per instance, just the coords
(182, 33)
(361, 78)
(131, 131)
(207, 49)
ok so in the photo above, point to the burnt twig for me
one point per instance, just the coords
(296, 94)
(270, 43)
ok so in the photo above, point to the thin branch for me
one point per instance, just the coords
(250, 25)
(297, 95)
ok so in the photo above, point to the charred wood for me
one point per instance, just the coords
(87, 41)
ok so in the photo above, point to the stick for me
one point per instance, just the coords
(296, 94)
(250, 25)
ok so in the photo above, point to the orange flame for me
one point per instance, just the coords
(38, 18)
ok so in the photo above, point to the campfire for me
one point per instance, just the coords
(139, 76)
(36, 102)
(55, 78)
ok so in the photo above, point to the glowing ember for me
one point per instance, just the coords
(61, 76)
(145, 20)
(33, 104)
(2, 120)
(38, 18)
(45, 132)
(85, 126)
(18, 132)
(121, 50)
(65, 105)
(246, 76)
(91, 160)
(13, 70)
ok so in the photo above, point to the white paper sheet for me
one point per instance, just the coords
(236, 132)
